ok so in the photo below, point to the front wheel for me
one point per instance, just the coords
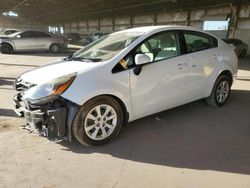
(221, 91)
(98, 121)
(7, 49)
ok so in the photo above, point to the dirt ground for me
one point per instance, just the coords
(191, 146)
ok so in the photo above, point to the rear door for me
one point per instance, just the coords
(201, 56)
(42, 40)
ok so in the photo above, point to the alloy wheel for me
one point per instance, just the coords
(222, 92)
(100, 122)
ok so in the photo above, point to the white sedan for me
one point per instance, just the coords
(124, 76)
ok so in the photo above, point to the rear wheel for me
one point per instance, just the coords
(221, 91)
(7, 49)
(55, 48)
(98, 121)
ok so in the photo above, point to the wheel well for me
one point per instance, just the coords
(229, 74)
(7, 44)
(124, 109)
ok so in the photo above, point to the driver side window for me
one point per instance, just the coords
(27, 34)
(159, 47)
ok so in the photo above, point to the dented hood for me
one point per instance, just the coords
(55, 70)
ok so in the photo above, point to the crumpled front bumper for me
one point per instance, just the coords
(50, 123)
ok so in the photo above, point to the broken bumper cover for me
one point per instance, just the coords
(50, 123)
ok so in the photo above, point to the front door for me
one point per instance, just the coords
(162, 83)
(25, 41)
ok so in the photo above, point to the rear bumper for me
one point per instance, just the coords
(50, 123)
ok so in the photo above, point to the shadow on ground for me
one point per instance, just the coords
(193, 136)
(7, 112)
(6, 81)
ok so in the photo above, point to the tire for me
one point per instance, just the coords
(221, 91)
(243, 53)
(89, 125)
(7, 49)
(54, 48)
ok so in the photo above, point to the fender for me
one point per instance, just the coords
(9, 43)
(88, 96)
(215, 75)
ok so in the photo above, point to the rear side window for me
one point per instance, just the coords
(196, 41)
(41, 34)
(237, 42)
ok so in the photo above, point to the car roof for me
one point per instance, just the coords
(149, 29)
(10, 29)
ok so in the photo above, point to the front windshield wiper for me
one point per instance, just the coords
(83, 59)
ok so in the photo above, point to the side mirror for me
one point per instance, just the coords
(18, 36)
(141, 59)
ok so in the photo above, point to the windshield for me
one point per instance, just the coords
(14, 34)
(106, 47)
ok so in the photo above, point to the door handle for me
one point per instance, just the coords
(182, 65)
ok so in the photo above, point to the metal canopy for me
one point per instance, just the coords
(59, 11)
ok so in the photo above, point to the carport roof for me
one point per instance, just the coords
(59, 11)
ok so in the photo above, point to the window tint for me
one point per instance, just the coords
(41, 34)
(196, 41)
(27, 34)
(159, 47)
(237, 42)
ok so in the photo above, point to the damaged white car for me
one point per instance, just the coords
(122, 77)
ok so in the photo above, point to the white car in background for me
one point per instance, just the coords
(122, 77)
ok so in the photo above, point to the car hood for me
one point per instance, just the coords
(3, 37)
(55, 70)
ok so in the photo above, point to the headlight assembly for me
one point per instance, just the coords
(47, 92)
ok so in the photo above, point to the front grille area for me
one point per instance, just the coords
(21, 85)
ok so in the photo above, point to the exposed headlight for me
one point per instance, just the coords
(47, 92)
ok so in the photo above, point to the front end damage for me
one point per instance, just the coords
(52, 120)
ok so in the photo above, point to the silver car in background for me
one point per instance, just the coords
(32, 41)
(241, 48)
